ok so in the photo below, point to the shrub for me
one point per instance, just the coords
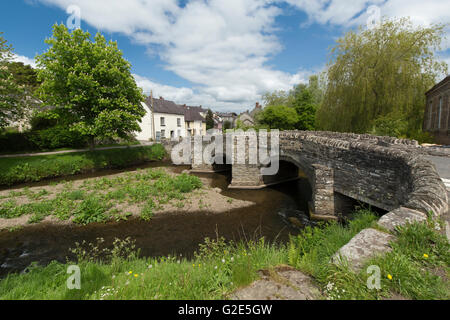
(57, 137)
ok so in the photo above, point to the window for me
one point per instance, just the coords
(178, 122)
(163, 133)
(440, 113)
(163, 122)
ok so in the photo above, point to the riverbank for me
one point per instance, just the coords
(117, 197)
(416, 268)
(36, 168)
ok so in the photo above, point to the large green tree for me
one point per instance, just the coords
(13, 101)
(278, 117)
(378, 77)
(92, 82)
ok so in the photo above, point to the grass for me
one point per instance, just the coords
(416, 268)
(217, 269)
(102, 199)
(30, 169)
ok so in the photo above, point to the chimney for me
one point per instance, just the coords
(184, 105)
(257, 106)
(161, 98)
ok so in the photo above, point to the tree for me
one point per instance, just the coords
(278, 117)
(24, 75)
(306, 110)
(92, 83)
(13, 101)
(227, 125)
(277, 98)
(380, 72)
(209, 120)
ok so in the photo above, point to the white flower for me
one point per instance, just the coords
(215, 267)
(223, 260)
(232, 259)
(150, 266)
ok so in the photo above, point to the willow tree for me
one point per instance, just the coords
(381, 73)
(91, 84)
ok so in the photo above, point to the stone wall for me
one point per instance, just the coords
(382, 171)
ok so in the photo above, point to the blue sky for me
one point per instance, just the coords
(218, 54)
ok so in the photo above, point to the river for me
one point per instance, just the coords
(172, 233)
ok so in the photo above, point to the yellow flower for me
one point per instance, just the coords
(193, 265)
(130, 272)
(136, 275)
(199, 265)
(425, 256)
(389, 277)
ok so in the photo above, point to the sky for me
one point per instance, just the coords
(221, 54)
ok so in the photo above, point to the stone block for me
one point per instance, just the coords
(363, 246)
(401, 217)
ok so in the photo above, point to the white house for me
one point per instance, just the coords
(168, 119)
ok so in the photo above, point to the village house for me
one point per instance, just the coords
(195, 120)
(170, 120)
(247, 118)
(437, 112)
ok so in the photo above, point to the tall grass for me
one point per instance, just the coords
(215, 271)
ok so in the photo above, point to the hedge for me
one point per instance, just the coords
(31, 169)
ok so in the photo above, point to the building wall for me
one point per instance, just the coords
(437, 113)
(195, 128)
(146, 125)
(170, 124)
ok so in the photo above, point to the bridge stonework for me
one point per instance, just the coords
(385, 172)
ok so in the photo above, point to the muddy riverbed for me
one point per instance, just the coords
(174, 232)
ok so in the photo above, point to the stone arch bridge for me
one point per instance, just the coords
(385, 172)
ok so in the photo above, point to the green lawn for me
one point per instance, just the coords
(28, 169)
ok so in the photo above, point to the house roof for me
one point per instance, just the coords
(165, 106)
(447, 79)
(193, 114)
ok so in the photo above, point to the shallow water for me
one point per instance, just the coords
(172, 233)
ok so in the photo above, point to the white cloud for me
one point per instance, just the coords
(223, 47)
(24, 60)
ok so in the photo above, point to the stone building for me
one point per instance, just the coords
(437, 112)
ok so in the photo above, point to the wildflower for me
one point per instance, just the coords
(199, 265)
(215, 267)
(425, 256)
(113, 276)
(232, 259)
(389, 277)
(136, 275)
(130, 272)
(193, 265)
(223, 260)
(150, 266)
